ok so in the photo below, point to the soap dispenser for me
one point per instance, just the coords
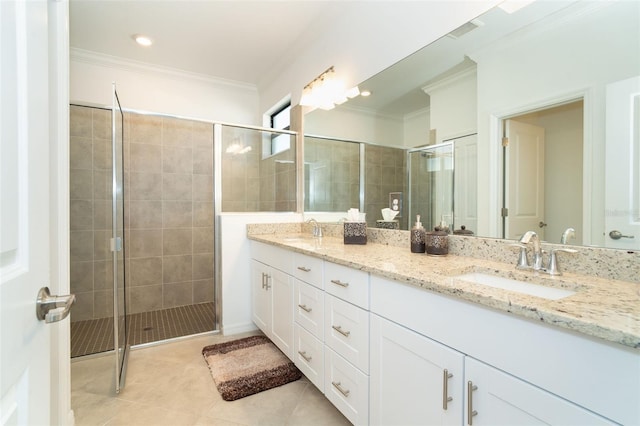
(418, 237)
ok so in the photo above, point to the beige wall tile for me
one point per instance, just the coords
(103, 303)
(102, 211)
(145, 298)
(145, 186)
(145, 129)
(177, 214)
(101, 245)
(101, 123)
(81, 184)
(103, 274)
(202, 135)
(202, 266)
(81, 277)
(80, 153)
(177, 186)
(145, 214)
(81, 243)
(102, 154)
(102, 184)
(202, 291)
(202, 214)
(177, 241)
(146, 271)
(177, 132)
(203, 240)
(145, 243)
(177, 160)
(203, 161)
(202, 188)
(145, 158)
(83, 308)
(178, 294)
(176, 268)
(80, 122)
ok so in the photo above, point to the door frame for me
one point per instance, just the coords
(60, 351)
(496, 174)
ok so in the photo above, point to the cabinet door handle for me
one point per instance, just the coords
(445, 388)
(304, 269)
(304, 355)
(340, 283)
(470, 411)
(263, 280)
(338, 386)
(305, 308)
(266, 281)
(339, 329)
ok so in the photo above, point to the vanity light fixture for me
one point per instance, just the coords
(142, 40)
(326, 91)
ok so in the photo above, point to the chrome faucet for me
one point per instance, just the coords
(532, 237)
(568, 233)
(317, 229)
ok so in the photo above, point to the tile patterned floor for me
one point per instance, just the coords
(94, 336)
(170, 384)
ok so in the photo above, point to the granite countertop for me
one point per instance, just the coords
(603, 308)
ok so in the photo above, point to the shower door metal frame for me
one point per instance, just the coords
(117, 246)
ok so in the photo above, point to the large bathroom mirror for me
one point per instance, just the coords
(551, 93)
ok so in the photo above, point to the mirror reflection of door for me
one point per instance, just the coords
(543, 189)
(622, 178)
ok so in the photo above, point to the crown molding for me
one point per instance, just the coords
(109, 61)
(449, 80)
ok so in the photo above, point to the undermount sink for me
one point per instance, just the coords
(495, 281)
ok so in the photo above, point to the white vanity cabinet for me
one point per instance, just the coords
(516, 371)
(414, 380)
(272, 290)
(493, 398)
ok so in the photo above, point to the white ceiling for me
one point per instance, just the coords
(234, 39)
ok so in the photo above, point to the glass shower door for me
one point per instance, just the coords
(117, 243)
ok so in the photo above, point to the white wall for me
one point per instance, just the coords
(236, 271)
(355, 125)
(517, 77)
(360, 46)
(417, 126)
(160, 90)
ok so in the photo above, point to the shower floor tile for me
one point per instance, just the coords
(94, 336)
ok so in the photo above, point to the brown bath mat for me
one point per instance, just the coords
(246, 366)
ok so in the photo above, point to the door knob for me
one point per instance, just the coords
(616, 235)
(53, 308)
(542, 224)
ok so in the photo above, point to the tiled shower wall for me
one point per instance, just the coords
(385, 172)
(90, 212)
(168, 211)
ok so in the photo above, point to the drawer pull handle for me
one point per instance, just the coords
(305, 308)
(304, 269)
(304, 355)
(446, 399)
(339, 329)
(345, 392)
(340, 283)
(470, 411)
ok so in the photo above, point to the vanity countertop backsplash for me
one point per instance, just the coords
(606, 282)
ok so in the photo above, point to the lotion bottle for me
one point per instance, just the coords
(418, 237)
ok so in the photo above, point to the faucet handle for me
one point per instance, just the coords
(554, 268)
(523, 261)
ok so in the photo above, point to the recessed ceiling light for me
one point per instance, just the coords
(142, 40)
(365, 93)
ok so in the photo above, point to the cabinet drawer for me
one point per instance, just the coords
(273, 256)
(309, 308)
(347, 388)
(348, 284)
(308, 269)
(309, 356)
(346, 331)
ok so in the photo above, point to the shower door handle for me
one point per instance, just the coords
(53, 308)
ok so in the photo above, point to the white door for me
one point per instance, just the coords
(465, 204)
(280, 288)
(622, 199)
(24, 212)
(524, 179)
(260, 297)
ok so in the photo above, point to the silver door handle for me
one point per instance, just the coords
(53, 308)
(616, 235)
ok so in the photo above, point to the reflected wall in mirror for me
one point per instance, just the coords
(548, 64)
